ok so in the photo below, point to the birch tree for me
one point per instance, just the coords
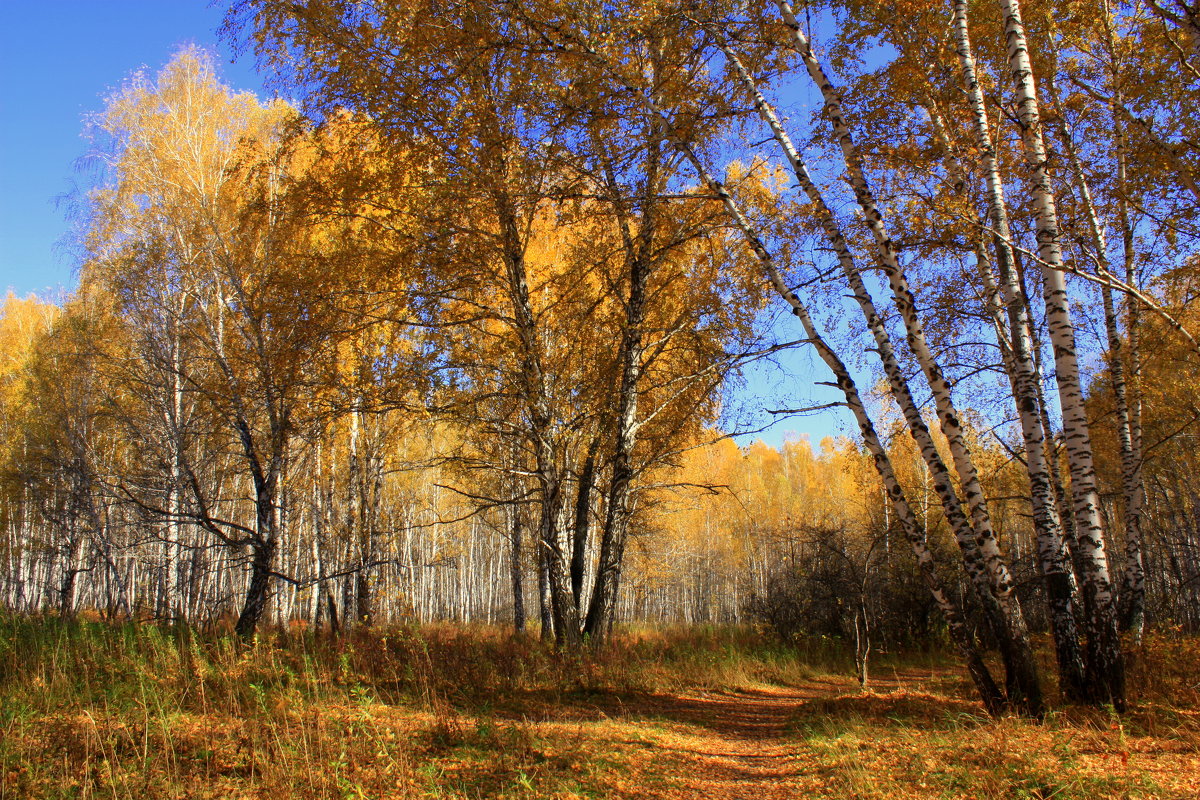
(195, 222)
(1106, 671)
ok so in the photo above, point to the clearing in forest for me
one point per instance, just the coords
(107, 711)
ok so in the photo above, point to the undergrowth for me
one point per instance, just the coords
(93, 709)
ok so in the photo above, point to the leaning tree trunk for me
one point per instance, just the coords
(1133, 595)
(948, 416)
(993, 699)
(1105, 665)
(1130, 446)
(981, 554)
(960, 634)
(1023, 679)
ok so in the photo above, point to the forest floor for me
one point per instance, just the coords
(92, 710)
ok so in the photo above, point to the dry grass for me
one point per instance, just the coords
(127, 711)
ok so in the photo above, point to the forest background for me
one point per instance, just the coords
(456, 335)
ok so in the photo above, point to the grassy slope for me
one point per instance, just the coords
(94, 710)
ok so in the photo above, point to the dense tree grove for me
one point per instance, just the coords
(453, 339)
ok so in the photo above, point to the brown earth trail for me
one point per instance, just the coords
(915, 733)
(747, 744)
(731, 745)
(751, 743)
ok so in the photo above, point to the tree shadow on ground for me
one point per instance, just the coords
(757, 713)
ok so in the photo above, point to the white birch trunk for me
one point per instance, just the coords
(1052, 553)
(1131, 455)
(1105, 667)
(948, 416)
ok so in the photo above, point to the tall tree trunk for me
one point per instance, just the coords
(948, 416)
(264, 542)
(616, 524)
(583, 512)
(1053, 556)
(69, 585)
(545, 600)
(640, 256)
(1105, 666)
(515, 566)
(1133, 587)
(552, 541)
(567, 629)
(258, 591)
(1130, 445)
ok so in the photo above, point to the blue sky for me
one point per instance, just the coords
(59, 59)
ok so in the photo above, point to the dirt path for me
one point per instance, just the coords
(731, 745)
(745, 744)
(917, 733)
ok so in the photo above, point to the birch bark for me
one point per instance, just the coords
(888, 258)
(639, 249)
(989, 692)
(1053, 555)
(1105, 665)
(552, 544)
(1133, 589)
